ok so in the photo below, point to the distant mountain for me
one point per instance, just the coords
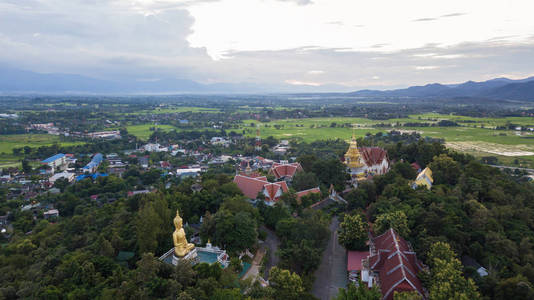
(498, 88)
(514, 91)
(19, 81)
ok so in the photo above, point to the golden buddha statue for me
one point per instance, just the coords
(181, 246)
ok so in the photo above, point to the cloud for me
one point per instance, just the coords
(425, 19)
(440, 17)
(178, 39)
(453, 15)
(297, 82)
(421, 68)
(298, 2)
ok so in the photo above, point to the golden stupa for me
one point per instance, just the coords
(181, 246)
(352, 157)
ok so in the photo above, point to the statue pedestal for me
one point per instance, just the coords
(191, 256)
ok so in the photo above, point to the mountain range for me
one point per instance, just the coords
(14, 81)
(498, 88)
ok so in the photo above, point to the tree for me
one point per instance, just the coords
(445, 170)
(287, 285)
(236, 232)
(396, 220)
(413, 295)
(304, 180)
(331, 171)
(148, 227)
(517, 287)
(26, 167)
(446, 280)
(353, 232)
(307, 161)
(360, 292)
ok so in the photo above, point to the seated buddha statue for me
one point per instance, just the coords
(181, 246)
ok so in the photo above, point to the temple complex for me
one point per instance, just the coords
(187, 251)
(365, 161)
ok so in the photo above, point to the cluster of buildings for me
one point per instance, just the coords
(255, 186)
(109, 135)
(365, 162)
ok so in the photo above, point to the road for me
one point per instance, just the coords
(273, 243)
(256, 264)
(512, 168)
(331, 274)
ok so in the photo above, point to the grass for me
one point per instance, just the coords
(475, 140)
(143, 131)
(9, 142)
(179, 109)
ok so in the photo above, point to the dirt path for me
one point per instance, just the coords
(254, 270)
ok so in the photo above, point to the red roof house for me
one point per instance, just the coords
(307, 192)
(354, 260)
(251, 186)
(396, 264)
(286, 171)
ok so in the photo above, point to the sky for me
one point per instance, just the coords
(333, 45)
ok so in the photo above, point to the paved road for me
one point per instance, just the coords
(512, 168)
(332, 273)
(273, 243)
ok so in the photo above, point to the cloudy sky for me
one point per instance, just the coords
(342, 44)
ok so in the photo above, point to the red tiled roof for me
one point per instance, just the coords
(373, 155)
(249, 186)
(416, 166)
(272, 190)
(307, 192)
(285, 170)
(283, 184)
(396, 264)
(354, 259)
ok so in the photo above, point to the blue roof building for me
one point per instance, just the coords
(94, 163)
(52, 159)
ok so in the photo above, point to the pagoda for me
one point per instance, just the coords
(353, 160)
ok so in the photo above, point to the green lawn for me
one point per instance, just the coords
(144, 132)
(8, 142)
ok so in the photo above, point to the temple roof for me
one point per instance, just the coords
(285, 170)
(396, 265)
(373, 155)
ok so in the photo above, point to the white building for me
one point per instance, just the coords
(56, 162)
(65, 175)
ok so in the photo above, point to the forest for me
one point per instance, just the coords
(108, 248)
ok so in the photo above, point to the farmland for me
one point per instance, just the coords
(8, 142)
(144, 132)
(476, 136)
